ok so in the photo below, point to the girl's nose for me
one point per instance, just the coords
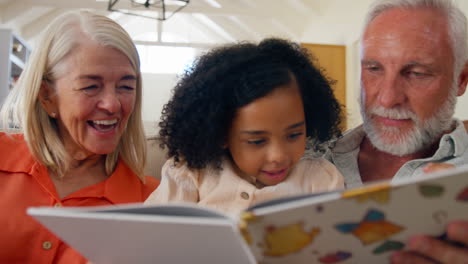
(277, 154)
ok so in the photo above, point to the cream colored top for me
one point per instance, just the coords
(226, 191)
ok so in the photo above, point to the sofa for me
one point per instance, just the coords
(156, 157)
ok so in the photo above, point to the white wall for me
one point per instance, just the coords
(352, 85)
(341, 28)
(461, 110)
(348, 15)
(156, 92)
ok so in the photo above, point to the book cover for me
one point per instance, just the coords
(361, 225)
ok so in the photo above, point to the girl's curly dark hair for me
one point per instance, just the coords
(196, 120)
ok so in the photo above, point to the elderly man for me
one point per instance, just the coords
(413, 63)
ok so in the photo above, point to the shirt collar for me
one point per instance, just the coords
(454, 143)
(123, 185)
(350, 140)
(19, 160)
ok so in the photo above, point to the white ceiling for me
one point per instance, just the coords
(202, 22)
(209, 22)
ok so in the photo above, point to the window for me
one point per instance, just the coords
(166, 59)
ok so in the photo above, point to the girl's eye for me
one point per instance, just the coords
(295, 135)
(256, 142)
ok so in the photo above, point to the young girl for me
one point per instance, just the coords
(237, 125)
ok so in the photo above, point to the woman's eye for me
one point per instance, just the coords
(90, 90)
(125, 87)
(256, 142)
(91, 87)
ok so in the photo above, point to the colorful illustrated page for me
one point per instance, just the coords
(358, 226)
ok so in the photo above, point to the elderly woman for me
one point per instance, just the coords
(78, 107)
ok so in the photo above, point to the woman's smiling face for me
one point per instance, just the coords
(93, 98)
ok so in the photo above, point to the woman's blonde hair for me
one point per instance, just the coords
(22, 108)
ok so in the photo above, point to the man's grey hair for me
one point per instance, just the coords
(455, 18)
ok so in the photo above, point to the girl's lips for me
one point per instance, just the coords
(274, 172)
(278, 175)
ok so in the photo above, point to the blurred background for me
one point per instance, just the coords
(170, 34)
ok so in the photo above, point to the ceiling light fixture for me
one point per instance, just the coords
(163, 9)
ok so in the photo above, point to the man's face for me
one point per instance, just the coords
(407, 74)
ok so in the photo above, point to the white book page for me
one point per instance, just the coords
(147, 234)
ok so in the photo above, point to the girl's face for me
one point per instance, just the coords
(268, 136)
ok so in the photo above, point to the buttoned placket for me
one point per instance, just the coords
(245, 193)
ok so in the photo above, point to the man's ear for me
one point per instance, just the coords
(47, 99)
(463, 80)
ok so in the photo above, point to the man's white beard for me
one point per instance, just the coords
(421, 136)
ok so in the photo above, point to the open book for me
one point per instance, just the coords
(362, 225)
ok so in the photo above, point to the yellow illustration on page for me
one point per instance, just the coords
(281, 241)
(378, 192)
(245, 219)
(374, 231)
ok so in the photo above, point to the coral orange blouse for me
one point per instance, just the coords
(24, 182)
